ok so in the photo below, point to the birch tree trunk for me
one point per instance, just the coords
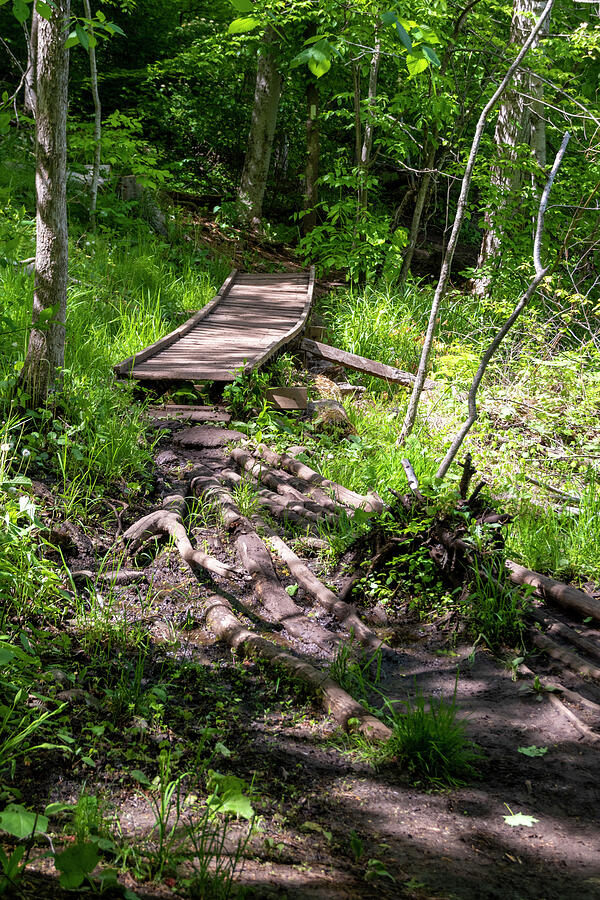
(262, 131)
(512, 128)
(97, 123)
(46, 351)
(30, 74)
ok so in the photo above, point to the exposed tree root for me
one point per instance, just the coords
(562, 654)
(257, 562)
(371, 502)
(559, 629)
(564, 710)
(343, 612)
(284, 507)
(337, 702)
(281, 483)
(168, 523)
(562, 594)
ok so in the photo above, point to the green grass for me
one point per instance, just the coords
(430, 740)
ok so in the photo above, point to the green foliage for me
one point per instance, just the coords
(430, 739)
(352, 669)
(495, 608)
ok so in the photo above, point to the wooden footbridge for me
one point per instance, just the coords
(250, 318)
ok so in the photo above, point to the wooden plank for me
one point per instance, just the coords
(362, 364)
(128, 364)
(296, 329)
(287, 397)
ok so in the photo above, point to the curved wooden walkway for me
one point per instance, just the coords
(250, 318)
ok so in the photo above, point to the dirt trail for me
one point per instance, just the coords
(331, 827)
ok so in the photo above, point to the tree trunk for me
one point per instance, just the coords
(512, 128)
(262, 131)
(45, 354)
(30, 101)
(367, 143)
(311, 196)
(415, 224)
(97, 124)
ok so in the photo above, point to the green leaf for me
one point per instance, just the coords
(21, 823)
(140, 777)
(404, 36)
(75, 863)
(243, 6)
(114, 29)
(532, 751)
(227, 795)
(431, 56)
(71, 41)
(292, 589)
(83, 36)
(6, 654)
(416, 65)
(389, 18)
(318, 61)
(520, 819)
(20, 11)
(44, 10)
(53, 809)
(240, 26)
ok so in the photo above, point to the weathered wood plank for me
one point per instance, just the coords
(362, 364)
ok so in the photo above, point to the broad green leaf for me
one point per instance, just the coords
(83, 36)
(432, 56)
(75, 863)
(44, 10)
(227, 795)
(318, 62)
(532, 751)
(240, 26)
(520, 819)
(53, 809)
(21, 823)
(243, 6)
(404, 36)
(292, 589)
(114, 29)
(20, 11)
(389, 18)
(416, 65)
(6, 654)
(140, 776)
(100, 16)
(71, 41)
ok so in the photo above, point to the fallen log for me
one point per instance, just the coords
(371, 502)
(166, 523)
(255, 558)
(336, 702)
(563, 654)
(279, 484)
(343, 612)
(562, 594)
(362, 364)
(559, 629)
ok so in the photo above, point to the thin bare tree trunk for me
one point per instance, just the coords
(262, 131)
(357, 124)
(46, 351)
(311, 195)
(411, 412)
(367, 142)
(422, 196)
(540, 272)
(97, 123)
(30, 100)
(512, 128)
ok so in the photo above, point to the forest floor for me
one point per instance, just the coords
(329, 823)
